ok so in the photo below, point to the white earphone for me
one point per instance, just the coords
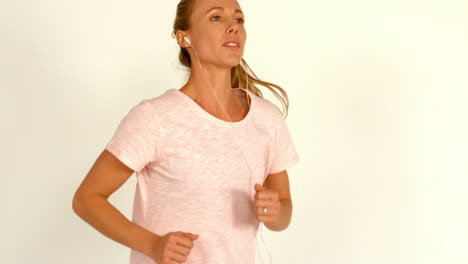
(187, 40)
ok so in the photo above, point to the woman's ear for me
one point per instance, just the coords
(180, 39)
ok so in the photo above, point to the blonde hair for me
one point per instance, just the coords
(241, 75)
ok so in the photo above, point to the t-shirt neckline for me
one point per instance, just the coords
(214, 119)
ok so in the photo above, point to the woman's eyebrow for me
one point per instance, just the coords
(222, 9)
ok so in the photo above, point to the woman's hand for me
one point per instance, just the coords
(268, 199)
(173, 248)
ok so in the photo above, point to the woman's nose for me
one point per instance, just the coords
(233, 28)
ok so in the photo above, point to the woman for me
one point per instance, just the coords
(197, 152)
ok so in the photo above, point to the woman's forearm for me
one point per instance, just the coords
(109, 221)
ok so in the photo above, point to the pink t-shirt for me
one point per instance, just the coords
(192, 174)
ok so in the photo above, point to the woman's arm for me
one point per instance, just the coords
(90, 204)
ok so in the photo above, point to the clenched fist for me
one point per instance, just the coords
(266, 204)
(173, 247)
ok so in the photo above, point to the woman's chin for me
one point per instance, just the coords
(233, 62)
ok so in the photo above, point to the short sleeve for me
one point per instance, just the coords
(284, 151)
(136, 141)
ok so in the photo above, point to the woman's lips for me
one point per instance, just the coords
(232, 47)
(232, 41)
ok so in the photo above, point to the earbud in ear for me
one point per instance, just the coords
(187, 40)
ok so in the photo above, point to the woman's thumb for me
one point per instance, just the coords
(192, 236)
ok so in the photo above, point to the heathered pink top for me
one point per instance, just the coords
(191, 174)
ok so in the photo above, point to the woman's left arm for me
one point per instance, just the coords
(276, 197)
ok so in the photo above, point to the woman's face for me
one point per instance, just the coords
(214, 23)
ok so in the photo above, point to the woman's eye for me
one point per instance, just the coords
(216, 18)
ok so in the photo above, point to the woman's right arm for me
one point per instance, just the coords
(90, 203)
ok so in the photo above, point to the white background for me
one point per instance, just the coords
(379, 117)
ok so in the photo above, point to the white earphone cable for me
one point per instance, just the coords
(238, 140)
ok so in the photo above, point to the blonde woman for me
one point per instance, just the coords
(210, 158)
